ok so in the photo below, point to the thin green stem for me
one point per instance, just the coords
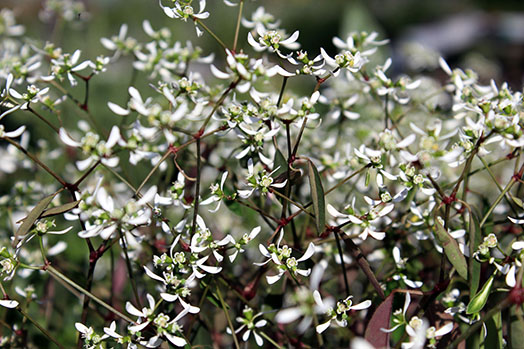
(42, 249)
(37, 161)
(58, 275)
(197, 188)
(269, 339)
(43, 119)
(237, 29)
(492, 175)
(292, 202)
(226, 313)
(220, 42)
(130, 269)
(153, 170)
(343, 266)
(320, 340)
(43, 330)
(499, 198)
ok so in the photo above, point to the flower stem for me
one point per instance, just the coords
(58, 275)
(339, 247)
(499, 198)
(237, 346)
(270, 340)
(197, 188)
(43, 330)
(37, 161)
(220, 42)
(237, 29)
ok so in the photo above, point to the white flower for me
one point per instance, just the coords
(281, 256)
(185, 12)
(272, 40)
(93, 146)
(217, 194)
(365, 221)
(262, 181)
(253, 326)
(261, 21)
(340, 313)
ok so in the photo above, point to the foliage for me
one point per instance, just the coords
(225, 206)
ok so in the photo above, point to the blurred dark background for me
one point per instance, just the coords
(485, 35)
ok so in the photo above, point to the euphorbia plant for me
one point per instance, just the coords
(333, 207)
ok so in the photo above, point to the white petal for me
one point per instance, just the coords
(286, 316)
(68, 140)
(510, 277)
(321, 328)
(258, 339)
(80, 327)
(8, 303)
(114, 136)
(178, 341)
(115, 108)
(131, 309)
(15, 133)
(218, 73)
(271, 279)
(291, 39)
(309, 252)
(153, 275)
(332, 211)
(444, 65)
(168, 297)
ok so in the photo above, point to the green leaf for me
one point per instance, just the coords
(517, 201)
(34, 214)
(516, 328)
(479, 301)
(493, 339)
(317, 196)
(473, 341)
(53, 211)
(279, 162)
(475, 237)
(213, 299)
(452, 250)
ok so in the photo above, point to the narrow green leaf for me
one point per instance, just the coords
(279, 162)
(452, 250)
(516, 328)
(479, 301)
(474, 341)
(475, 237)
(34, 214)
(517, 201)
(53, 211)
(317, 197)
(493, 338)
(213, 299)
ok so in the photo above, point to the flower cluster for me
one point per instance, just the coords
(355, 182)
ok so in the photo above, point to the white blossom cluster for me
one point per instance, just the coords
(221, 189)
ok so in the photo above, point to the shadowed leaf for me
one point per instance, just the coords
(317, 197)
(380, 319)
(34, 214)
(452, 250)
(475, 236)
